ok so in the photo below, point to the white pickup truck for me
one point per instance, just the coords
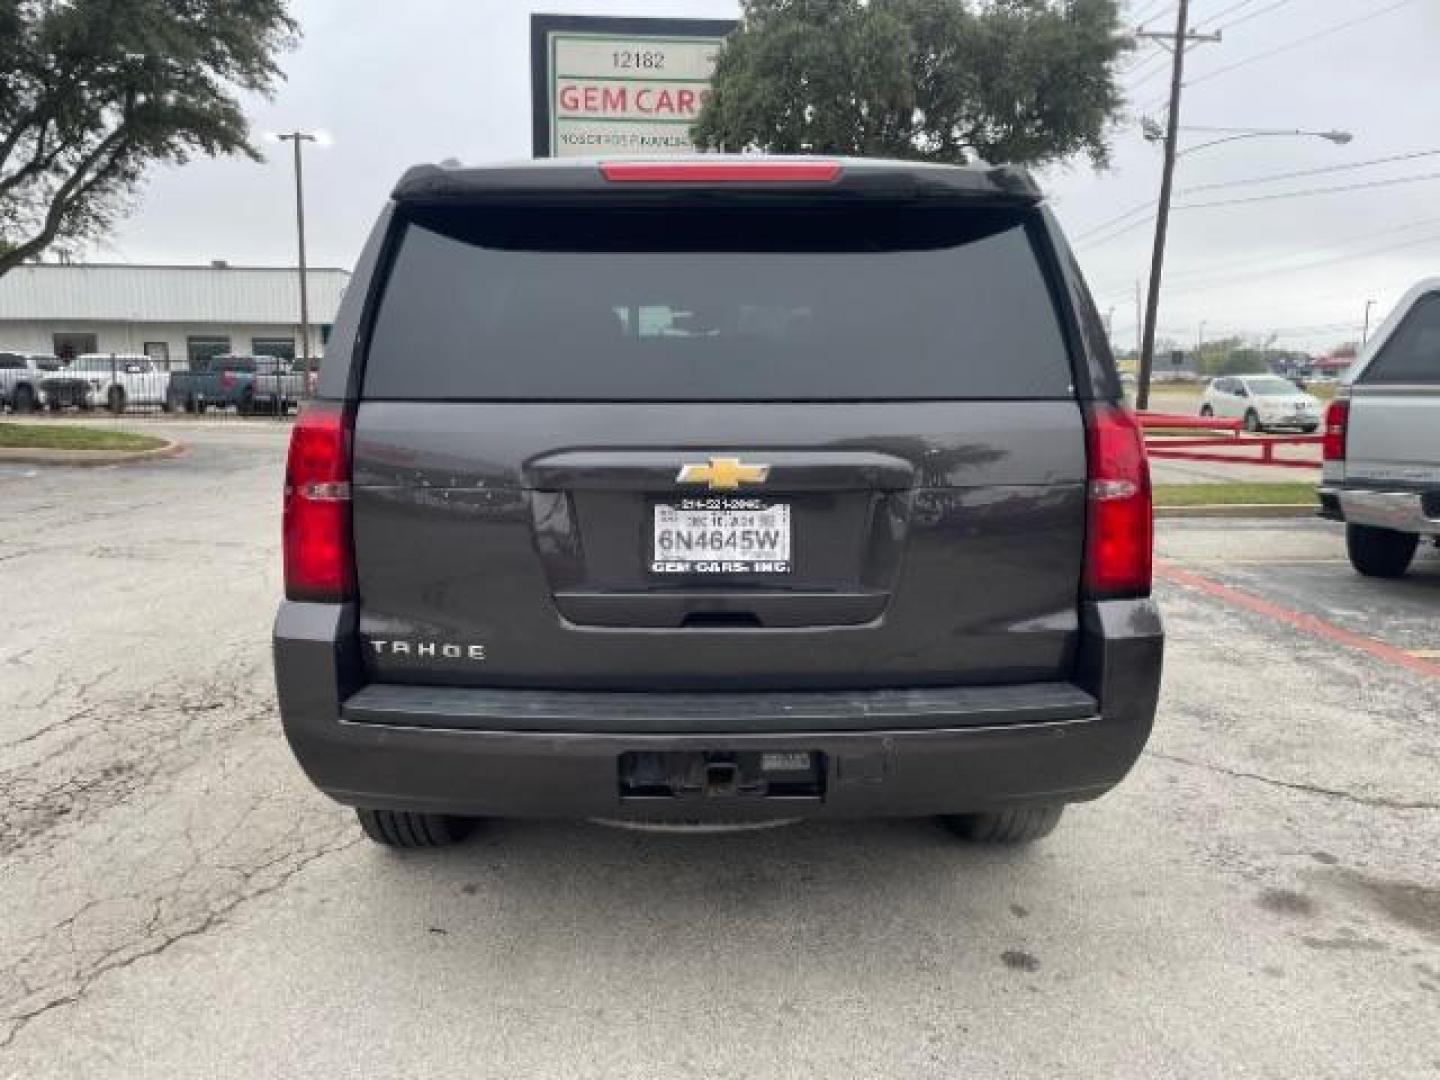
(120, 381)
(22, 378)
(1382, 440)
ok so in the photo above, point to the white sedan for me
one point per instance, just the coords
(1262, 402)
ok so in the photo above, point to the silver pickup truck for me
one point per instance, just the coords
(1382, 440)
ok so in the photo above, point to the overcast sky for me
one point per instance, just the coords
(395, 84)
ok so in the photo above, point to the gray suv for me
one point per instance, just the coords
(716, 490)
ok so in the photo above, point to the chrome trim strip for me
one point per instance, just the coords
(1396, 389)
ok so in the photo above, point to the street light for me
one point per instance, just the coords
(297, 138)
(1152, 132)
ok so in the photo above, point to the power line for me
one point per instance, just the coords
(1256, 14)
(1221, 14)
(1085, 234)
(1152, 11)
(1155, 67)
(1098, 241)
(1105, 232)
(1306, 192)
(1159, 69)
(1083, 237)
(1226, 269)
(1310, 172)
(1115, 235)
(1297, 42)
(1302, 267)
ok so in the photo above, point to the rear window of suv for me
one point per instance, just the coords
(678, 304)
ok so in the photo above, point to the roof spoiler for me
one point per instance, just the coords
(716, 175)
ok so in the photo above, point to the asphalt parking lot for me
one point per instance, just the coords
(1260, 899)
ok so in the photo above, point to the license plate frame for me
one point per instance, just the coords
(724, 546)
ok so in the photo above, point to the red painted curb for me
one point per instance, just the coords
(1309, 624)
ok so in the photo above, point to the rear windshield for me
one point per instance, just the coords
(725, 303)
(1412, 355)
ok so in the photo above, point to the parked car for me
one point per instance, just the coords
(119, 381)
(1382, 440)
(21, 379)
(1262, 402)
(245, 383)
(719, 490)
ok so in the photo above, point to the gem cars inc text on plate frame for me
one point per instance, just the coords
(604, 85)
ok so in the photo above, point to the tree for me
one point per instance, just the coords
(94, 91)
(1017, 81)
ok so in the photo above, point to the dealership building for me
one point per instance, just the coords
(170, 313)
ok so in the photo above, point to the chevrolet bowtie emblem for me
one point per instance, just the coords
(723, 474)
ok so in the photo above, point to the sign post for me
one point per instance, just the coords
(619, 86)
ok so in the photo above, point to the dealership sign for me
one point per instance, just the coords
(620, 86)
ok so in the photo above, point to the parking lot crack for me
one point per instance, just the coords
(120, 959)
(1376, 801)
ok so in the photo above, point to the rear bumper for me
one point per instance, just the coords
(524, 753)
(1404, 511)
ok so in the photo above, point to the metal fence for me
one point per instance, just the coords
(216, 388)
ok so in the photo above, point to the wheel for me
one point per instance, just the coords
(246, 405)
(1018, 825)
(199, 405)
(1206, 410)
(24, 400)
(1380, 553)
(1252, 422)
(411, 829)
(175, 403)
(115, 400)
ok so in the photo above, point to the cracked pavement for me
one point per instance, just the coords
(1261, 898)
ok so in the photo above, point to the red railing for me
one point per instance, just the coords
(1188, 448)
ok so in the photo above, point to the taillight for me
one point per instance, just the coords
(1120, 517)
(1337, 422)
(756, 171)
(319, 563)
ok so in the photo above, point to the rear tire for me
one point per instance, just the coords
(24, 400)
(115, 400)
(1018, 825)
(412, 829)
(1380, 553)
(1206, 411)
(1252, 422)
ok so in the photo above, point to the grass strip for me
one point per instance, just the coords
(65, 437)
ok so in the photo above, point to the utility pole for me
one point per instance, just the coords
(297, 138)
(1177, 43)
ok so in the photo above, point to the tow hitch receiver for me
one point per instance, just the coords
(717, 774)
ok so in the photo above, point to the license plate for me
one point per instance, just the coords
(721, 536)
